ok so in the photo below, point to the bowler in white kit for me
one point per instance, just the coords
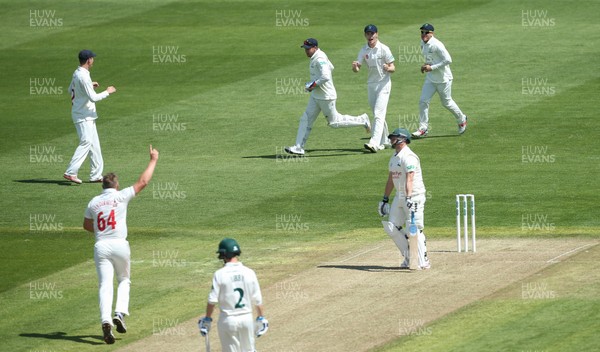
(106, 217)
(236, 291)
(83, 113)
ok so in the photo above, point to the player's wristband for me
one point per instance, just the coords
(385, 199)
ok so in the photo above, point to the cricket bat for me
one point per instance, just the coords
(413, 243)
(207, 343)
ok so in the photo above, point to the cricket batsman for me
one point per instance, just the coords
(406, 177)
(236, 290)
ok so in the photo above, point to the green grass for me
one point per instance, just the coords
(227, 163)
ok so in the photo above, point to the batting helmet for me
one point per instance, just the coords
(401, 133)
(229, 248)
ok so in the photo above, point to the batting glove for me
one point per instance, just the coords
(204, 325)
(309, 86)
(412, 206)
(262, 326)
(384, 206)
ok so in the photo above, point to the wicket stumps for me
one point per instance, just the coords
(463, 200)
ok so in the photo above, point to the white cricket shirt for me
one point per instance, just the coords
(374, 58)
(402, 163)
(435, 54)
(83, 96)
(109, 213)
(321, 71)
(235, 288)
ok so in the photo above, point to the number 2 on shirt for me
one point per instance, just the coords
(239, 303)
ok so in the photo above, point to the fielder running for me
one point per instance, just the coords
(406, 177)
(83, 112)
(322, 98)
(438, 79)
(236, 290)
(380, 63)
(106, 217)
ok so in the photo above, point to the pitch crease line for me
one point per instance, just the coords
(553, 260)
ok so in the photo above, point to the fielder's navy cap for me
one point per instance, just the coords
(371, 28)
(86, 54)
(427, 27)
(310, 43)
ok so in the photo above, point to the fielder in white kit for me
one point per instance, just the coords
(406, 177)
(438, 78)
(236, 290)
(322, 98)
(380, 63)
(83, 113)
(106, 217)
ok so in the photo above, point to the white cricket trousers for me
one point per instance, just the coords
(445, 92)
(400, 217)
(379, 96)
(236, 333)
(113, 256)
(334, 118)
(88, 143)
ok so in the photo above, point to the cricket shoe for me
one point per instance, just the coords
(427, 266)
(367, 123)
(72, 178)
(98, 180)
(119, 322)
(109, 338)
(295, 150)
(420, 133)
(371, 148)
(462, 127)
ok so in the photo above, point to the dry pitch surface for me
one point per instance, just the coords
(362, 300)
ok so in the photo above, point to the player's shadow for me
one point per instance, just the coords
(438, 136)
(310, 153)
(44, 180)
(370, 268)
(59, 335)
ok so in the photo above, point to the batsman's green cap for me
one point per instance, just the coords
(229, 248)
(400, 133)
